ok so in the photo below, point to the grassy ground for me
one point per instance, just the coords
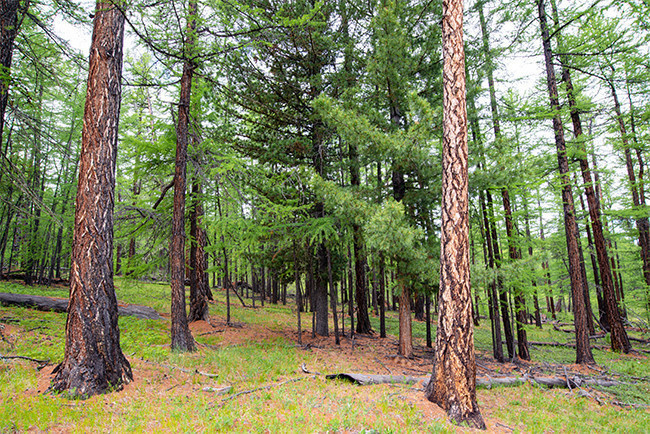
(260, 360)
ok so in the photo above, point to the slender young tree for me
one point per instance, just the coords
(453, 382)
(93, 362)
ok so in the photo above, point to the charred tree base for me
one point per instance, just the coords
(81, 379)
(457, 411)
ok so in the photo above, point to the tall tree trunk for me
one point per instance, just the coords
(453, 382)
(583, 350)
(642, 199)
(93, 362)
(33, 240)
(602, 312)
(181, 337)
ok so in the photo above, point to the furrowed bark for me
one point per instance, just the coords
(453, 382)
(93, 362)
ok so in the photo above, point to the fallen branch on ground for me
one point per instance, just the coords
(304, 369)
(187, 371)
(25, 358)
(245, 392)
(237, 294)
(566, 344)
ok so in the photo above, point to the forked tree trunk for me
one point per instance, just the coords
(182, 339)
(93, 362)
(583, 350)
(453, 382)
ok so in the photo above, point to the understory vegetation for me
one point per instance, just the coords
(258, 357)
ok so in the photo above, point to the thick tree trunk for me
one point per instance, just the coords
(181, 337)
(93, 362)
(583, 351)
(453, 382)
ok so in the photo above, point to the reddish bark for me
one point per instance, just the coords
(93, 362)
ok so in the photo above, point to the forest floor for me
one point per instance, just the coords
(253, 376)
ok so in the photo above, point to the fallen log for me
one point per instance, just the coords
(61, 305)
(566, 344)
(366, 379)
(486, 382)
